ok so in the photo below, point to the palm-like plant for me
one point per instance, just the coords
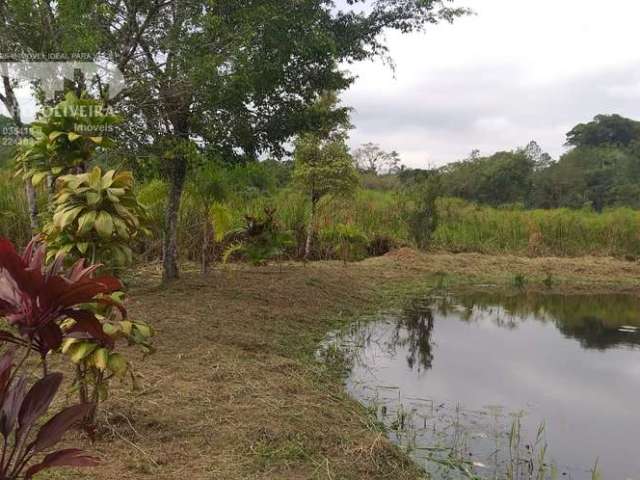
(96, 215)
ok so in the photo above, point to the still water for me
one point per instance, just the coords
(506, 386)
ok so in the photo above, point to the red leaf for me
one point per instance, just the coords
(37, 401)
(112, 284)
(71, 457)
(48, 337)
(6, 362)
(11, 406)
(52, 431)
(27, 280)
(87, 326)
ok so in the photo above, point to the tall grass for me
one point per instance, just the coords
(462, 227)
(471, 228)
(14, 216)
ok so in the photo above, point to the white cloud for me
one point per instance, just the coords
(517, 70)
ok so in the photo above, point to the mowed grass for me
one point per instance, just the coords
(235, 390)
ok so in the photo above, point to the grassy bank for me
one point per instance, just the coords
(235, 392)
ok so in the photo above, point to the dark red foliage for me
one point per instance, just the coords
(34, 297)
(20, 410)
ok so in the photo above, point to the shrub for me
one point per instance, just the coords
(421, 213)
(21, 411)
(262, 239)
(35, 299)
(346, 242)
(71, 312)
(95, 215)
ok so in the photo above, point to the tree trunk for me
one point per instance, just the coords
(310, 228)
(32, 204)
(177, 178)
(206, 234)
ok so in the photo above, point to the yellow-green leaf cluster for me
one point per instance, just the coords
(64, 138)
(96, 215)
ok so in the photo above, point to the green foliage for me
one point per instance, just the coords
(95, 215)
(14, 217)
(421, 213)
(345, 241)
(65, 138)
(495, 180)
(605, 130)
(97, 363)
(222, 220)
(261, 240)
(324, 167)
(469, 227)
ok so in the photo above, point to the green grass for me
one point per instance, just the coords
(468, 227)
(14, 217)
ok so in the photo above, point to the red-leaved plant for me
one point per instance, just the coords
(35, 298)
(20, 410)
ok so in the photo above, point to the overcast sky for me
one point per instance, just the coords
(517, 70)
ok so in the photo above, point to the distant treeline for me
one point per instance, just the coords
(602, 169)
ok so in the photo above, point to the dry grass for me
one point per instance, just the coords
(234, 391)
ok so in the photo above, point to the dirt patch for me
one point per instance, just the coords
(234, 391)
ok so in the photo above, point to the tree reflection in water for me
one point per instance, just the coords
(413, 330)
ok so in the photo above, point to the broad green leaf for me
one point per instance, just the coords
(69, 216)
(118, 364)
(93, 198)
(126, 326)
(96, 140)
(107, 178)
(55, 134)
(79, 351)
(110, 329)
(144, 329)
(104, 224)
(101, 358)
(67, 343)
(121, 228)
(73, 136)
(95, 178)
(86, 222)
(37, 178)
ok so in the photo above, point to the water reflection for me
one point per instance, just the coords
(598, 322)
(455, 374)
(413, 331)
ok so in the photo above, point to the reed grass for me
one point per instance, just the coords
(466, 227)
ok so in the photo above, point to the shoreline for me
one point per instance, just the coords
(235, 390)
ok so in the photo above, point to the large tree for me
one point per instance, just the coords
(605, 130)
(240, 76)
(370, 158)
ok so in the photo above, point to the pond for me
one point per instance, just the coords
(505, 385)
